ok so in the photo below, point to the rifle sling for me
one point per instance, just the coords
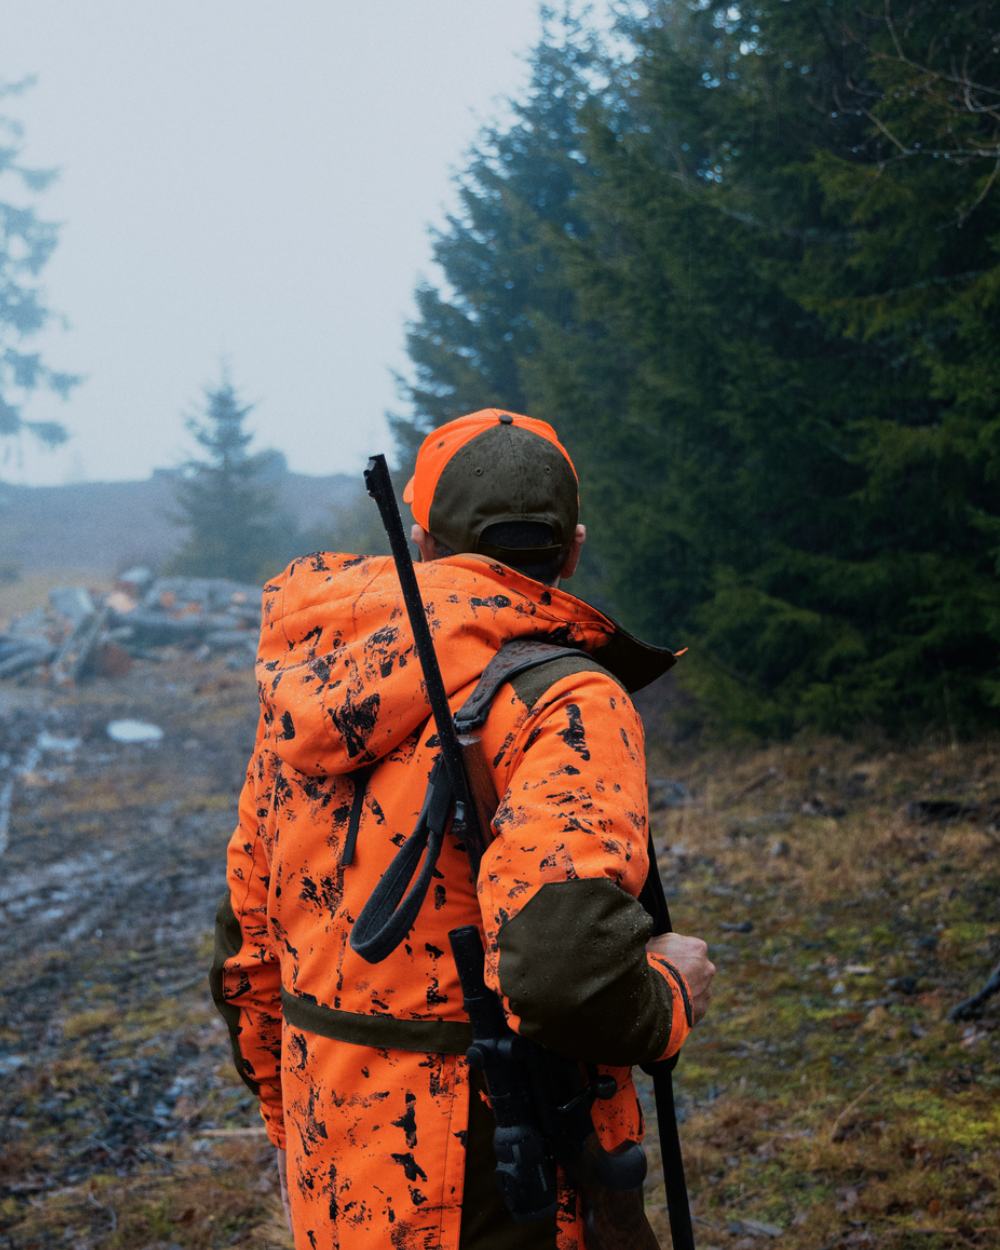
(392, 906)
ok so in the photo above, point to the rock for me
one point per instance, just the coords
(130, 731)
(903, 985)
(665, 793)
(780, 848)
(815, 806)
(939, 811)
(741, 926)
(135, 581)
(754, 1228)
(59, 745)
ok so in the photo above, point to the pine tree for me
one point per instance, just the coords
(26, 243)
(470, 340)
(768, 336)
(235, 527)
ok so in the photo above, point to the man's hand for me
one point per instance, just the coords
(689, 955)
(283, 1183)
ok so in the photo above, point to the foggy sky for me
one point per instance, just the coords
(247, 180)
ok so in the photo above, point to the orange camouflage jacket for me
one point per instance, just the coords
(359, 1067)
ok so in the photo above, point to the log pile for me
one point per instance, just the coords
(81, 634)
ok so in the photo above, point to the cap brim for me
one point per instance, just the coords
(408, 491)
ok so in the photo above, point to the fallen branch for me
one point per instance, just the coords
(972, 1007)
(838, 1124)
(27, 658)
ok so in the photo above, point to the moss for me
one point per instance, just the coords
(965, 1120)
(968, 934)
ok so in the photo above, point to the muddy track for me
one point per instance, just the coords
(108, 884)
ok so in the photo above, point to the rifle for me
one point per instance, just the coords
(541, 1101)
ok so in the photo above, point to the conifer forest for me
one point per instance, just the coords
(749, 261)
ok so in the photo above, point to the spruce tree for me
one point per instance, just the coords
(235, 526)
(764, 315)
(26, 243)
(470, 340)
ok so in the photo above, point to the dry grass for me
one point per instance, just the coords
(828, 1095)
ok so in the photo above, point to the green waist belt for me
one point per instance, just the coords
(447, 1037)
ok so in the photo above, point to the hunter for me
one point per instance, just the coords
(382, 1137)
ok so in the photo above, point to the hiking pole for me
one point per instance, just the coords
(654, 901)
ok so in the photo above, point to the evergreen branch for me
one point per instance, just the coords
(987, 187)
(884, 129)
(901, 56)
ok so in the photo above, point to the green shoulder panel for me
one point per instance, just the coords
(532, 684)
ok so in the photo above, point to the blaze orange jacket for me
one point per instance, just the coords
(360, 1067)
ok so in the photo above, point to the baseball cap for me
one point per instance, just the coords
(494, 466)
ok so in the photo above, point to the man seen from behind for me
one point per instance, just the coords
(364, 1089)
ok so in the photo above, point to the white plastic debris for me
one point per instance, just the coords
(134, 731)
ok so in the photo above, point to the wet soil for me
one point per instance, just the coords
(113, 867)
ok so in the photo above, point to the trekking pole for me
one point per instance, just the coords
(672, 1161)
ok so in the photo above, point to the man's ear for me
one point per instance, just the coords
(424, 542)
(573, 555)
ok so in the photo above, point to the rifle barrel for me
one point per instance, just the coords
(379, 486)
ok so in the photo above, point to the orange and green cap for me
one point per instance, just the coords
(494, 466)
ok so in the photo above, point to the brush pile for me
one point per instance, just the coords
(81, 634)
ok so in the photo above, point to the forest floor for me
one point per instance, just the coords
(828, 1101)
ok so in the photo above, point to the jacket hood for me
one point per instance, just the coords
(339, 679)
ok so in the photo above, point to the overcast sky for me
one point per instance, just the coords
(247, 179)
